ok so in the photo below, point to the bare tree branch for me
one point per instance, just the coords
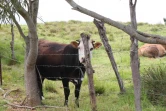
(151, 35)
(126, 28)
(18, 27)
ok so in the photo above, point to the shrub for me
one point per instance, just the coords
(154, 29)
(154, 83)
(53, 31)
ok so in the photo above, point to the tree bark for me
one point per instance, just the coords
(12, 46)
(134, 58)
(32, 52)
(103, 37)
(90, 72)
(0, 72)
(126, 28)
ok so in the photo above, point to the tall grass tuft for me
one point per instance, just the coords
(99, 88)
(154, 84)
(50, 86)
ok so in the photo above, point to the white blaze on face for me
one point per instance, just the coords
(81, 51)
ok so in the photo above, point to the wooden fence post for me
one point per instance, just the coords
(135, 58)
(104, 39)
(0, 72)
(89, 71)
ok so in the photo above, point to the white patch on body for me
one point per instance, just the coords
(76, 81)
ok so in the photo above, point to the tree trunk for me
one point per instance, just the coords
(103, 37)
(90, 72)
(32, 89)
(31, 41)
(134, 58)
(13, 61)
(0, 72)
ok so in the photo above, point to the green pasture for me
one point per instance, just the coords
(107, 89)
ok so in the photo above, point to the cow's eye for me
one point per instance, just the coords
(91, 49)
(78, 47)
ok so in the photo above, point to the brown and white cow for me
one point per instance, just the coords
(152, 50)
(63, 62)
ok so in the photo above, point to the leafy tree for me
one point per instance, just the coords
(28, 9)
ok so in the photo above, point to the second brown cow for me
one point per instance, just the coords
(152, 50)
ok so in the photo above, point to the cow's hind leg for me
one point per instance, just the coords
(66, 90)
(77, 93)
(40, 86)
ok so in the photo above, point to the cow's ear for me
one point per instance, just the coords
(97, 45)
(74, 44)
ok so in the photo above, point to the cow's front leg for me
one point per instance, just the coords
(77, 93)
(66, 90)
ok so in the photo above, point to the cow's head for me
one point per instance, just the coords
(80, 46)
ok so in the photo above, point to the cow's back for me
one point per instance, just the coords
(152, 50)
(161, 49)
(50, 58)
(58, 60)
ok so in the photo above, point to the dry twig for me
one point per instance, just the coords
(8, 92)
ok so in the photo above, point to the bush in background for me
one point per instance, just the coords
(154, 84)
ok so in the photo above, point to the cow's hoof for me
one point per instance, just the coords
(43, 98)
(66, 103)
(77, 103)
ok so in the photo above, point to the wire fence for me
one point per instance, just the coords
(100, 67)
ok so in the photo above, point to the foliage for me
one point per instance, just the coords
(8, 11)
(154, 82)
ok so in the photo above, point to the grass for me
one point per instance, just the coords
(104, 77)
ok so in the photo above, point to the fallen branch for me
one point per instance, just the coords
(2, 90)
(8, 92)
(19, 106)
(33, 108)
(23, 101)
(24, 106)
(45, 106)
